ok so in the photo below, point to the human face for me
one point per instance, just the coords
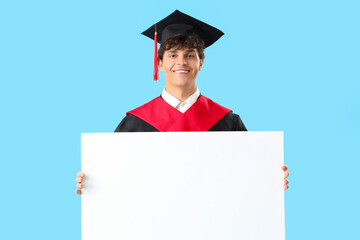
(181, 67)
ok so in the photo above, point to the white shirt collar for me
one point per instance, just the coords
(176, 103)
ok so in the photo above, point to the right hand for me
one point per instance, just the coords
(79, 179)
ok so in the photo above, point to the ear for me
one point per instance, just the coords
(160, 63)
(201, 63)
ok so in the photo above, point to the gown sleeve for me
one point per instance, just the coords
(122, 126)
(240, 126)
(231, 122)
(131, 123)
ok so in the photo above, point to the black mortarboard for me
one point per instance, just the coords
(180, 23)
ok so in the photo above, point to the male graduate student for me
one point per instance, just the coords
(180, 107)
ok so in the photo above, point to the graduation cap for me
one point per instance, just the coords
(180, 23)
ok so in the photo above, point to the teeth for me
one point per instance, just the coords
(181, 71)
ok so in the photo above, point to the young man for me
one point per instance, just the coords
(180, 107)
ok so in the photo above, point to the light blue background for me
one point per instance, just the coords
(68, 67)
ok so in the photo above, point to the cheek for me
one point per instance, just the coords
(167, 66)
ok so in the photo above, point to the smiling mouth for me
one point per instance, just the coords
(181, 71)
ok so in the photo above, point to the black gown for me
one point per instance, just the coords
(229, 122)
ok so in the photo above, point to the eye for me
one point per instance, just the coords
(190, 56)
(172, 55)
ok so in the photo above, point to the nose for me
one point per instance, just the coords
(181, 60)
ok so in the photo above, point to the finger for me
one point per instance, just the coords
(79, 185)
(286, 174)
(78, 191)
(285, 182)
(81, 174)
(79, 179)
(284, 168)
(286, 186)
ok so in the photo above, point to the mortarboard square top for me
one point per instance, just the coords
(180, 23)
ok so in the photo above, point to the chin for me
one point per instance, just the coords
(180, 81)
(183, 83)
(185, 80)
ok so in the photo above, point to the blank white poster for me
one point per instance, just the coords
(183, 186)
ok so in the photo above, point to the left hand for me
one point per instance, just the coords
(286, 174)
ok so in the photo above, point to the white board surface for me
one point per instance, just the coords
(182, 186)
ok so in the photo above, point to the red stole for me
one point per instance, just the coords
(201, 116)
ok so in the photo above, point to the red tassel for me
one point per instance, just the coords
(156, 65)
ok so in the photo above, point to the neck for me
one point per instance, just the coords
(181, 93)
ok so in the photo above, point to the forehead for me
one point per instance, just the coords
(181, 49)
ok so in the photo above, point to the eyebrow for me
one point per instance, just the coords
(175, 50)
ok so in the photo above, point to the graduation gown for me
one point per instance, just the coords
(158, 116)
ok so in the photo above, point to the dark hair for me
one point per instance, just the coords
(180, 41)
